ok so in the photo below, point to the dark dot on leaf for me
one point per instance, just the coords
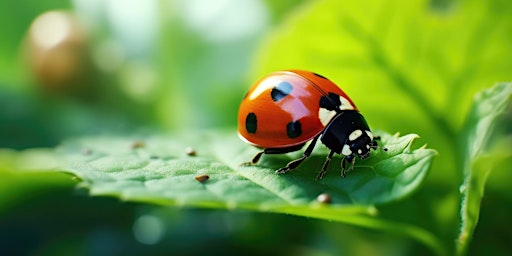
(190, 151)
(324, 198)
(86, 151)
(137, 144)
(202, 178)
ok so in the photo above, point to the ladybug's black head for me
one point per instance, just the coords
(359, 144)
(348, 134)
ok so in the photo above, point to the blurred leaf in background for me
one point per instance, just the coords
(410, 66)
(206, 49)
(15, 19)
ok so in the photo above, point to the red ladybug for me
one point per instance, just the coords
(285, 109)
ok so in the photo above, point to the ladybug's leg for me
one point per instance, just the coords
(254, 159)
(375, 145)
(324, 168)
(352, 160)
(295, 163)
(268, 151)
(257, 157)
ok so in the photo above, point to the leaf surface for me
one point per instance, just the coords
(157, 169)
(487, 148)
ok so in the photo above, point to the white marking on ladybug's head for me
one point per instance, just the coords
(325, 116)
(355, 134)
(345, 104)
(359, 151)
(370, 134)
(346, 150)
(367, 146)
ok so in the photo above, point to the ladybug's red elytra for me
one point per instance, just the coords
(285, 109)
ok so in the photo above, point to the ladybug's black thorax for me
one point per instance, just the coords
(348, 129)
(330, 101)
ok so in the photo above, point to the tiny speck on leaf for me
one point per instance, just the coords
(86, 151)
(190, 151)
(324, 198)
(137, 144)
(202, 178)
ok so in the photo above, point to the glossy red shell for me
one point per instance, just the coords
(302, 104)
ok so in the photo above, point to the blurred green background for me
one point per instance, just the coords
(81, 67)
(75, 67)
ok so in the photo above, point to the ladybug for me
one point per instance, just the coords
(285, 109)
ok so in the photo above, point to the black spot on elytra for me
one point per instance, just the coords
(251, 123)
(294, 129)
(281, 90)
(330, 102)
(320, 76)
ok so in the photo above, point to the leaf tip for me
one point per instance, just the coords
(412, 138)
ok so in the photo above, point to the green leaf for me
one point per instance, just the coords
(29, 172)
(157, 169)
(29, 160)
(164, 170)
(409, 65)
(488, 148)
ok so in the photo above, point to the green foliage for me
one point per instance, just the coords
(35, 173)
(157, 169)
(488, 120)
(14, 20)
(412, 67)
(418, 62)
